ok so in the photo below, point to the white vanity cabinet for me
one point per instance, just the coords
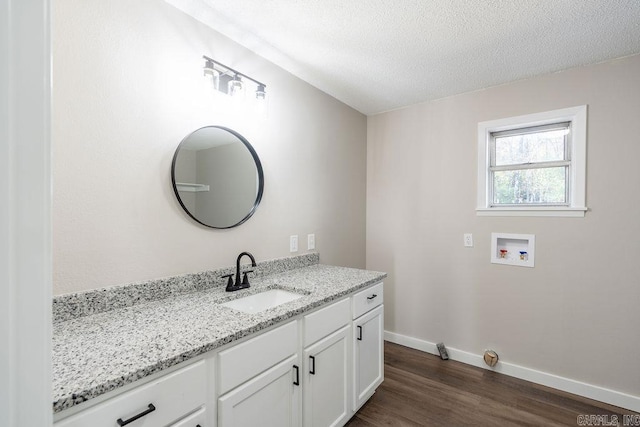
(326, 366)
(368, 343)
(165, 401)
(259, 380)
(315, 370)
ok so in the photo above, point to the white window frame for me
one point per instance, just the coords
(577, 116)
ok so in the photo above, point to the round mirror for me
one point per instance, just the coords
(217, 177)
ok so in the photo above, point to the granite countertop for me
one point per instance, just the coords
(98, 353)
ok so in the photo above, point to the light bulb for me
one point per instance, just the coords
(211, 76)
(261, 93)
(235, 86)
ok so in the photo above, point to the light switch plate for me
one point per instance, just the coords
(311, 242)
(468, 240)
(293, 243)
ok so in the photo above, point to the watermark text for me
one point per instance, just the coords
(609, 420)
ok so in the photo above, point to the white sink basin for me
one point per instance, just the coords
(263, 301)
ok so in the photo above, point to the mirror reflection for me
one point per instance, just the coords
(217, 177)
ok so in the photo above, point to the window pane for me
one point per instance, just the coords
(530, 186)
(544, 146)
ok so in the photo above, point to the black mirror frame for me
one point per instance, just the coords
(256, 159)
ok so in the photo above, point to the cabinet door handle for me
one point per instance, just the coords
(150, 409)
(297, 380)
(312, 371)
(372, 296)
(359, 333)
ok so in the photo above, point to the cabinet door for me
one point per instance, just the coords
(326, 381)
(368, 354)
(272, 399)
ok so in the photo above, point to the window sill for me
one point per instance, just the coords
(533, 211)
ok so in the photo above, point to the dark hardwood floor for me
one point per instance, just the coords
(420, 389)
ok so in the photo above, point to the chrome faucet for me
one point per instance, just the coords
(245, 280)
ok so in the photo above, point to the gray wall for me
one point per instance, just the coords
(576, 314)
(127, 88)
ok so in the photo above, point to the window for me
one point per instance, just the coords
(530, 166)
(533, 165)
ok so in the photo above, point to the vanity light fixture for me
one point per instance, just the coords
(228, 80)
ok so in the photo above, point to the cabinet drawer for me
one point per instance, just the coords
(194, 420)
(172, 396)
(367, 299)
(321, 323)
(244, 361)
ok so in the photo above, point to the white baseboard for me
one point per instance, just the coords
(590, 391)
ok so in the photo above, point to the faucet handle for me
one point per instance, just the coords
(229, 282)
(245, 279)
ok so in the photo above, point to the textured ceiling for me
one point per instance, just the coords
(378, 55)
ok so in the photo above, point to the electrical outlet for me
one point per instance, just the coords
(311, 242)
(468, 240)
(293, 243)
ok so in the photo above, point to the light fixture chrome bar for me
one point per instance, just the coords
(235, 72)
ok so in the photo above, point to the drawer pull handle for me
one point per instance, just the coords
(135, 417)
(359, 333)
(312, 371)
(372, 296)
(297, 380)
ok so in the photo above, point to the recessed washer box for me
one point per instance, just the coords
(513, 249)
